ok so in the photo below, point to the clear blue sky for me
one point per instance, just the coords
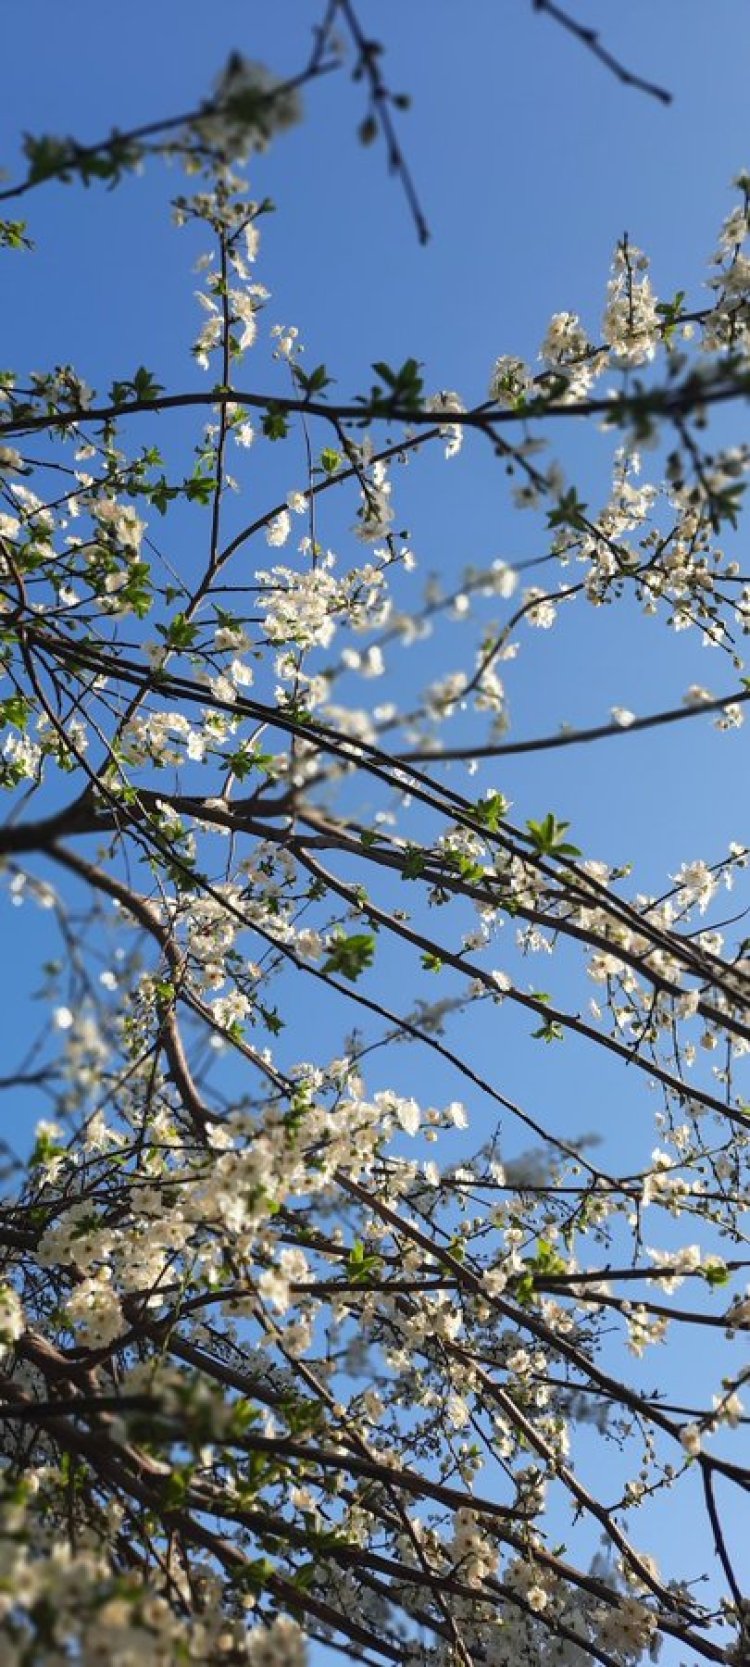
(531, 161)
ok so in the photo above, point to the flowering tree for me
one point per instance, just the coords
(289, 1352)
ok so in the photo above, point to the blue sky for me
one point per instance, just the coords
(531, 161)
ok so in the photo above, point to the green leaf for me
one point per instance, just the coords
(413, 864)
(275, 424)
(12, 235)
(45, 1150)
(361, 1266)
(468, 869)
(569, 512)
(160, 494)
(199, 488)
(47, 157)
(402, 387)
(491, 811)
(16, 710)
(271, 1019)
(670, 313)
(144, 386)
(252, 1577)
(546, 1261)
(524, 1290)
(246, 759)
(552, 1031)
(138, 592)
(715, 1275)
(312, 382)
(351, 956)
(180, 633)
(547, 837)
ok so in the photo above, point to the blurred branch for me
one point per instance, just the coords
(589, 38)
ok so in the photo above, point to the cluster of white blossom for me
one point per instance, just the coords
(249, 106)
(305, 607)
(631, 324)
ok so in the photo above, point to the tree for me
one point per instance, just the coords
(290, 1352)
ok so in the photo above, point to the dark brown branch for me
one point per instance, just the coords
(574, 737)
(669, 402)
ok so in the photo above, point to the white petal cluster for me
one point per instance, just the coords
(631, 321)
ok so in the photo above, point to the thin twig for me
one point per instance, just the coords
(589, 38)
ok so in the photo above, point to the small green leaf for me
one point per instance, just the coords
(547, 837)
(275, 424)
(144, 386)
(180, 633)
(491, 811)
(351, 956)
(15, 709)
(13, 235)
(552, 1031)
(312, 382)
(413, 864)
(569, 512)
(715, 1275)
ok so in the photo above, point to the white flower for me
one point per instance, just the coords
(457, 1411)
(448, 400)
(241, 674)
(244, 307)
(279, 1645)
(510, 382)
(285, 337)
(407, 1112)
(696, 884)
(730, 717)
(729, 1409)
(278, 530)
(567, 350)
(250, 106)
(376, 511)
(11, 1317)
(541, 610)
(631, 322)
(122, 522)
(94, 1309)
(230, 636)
